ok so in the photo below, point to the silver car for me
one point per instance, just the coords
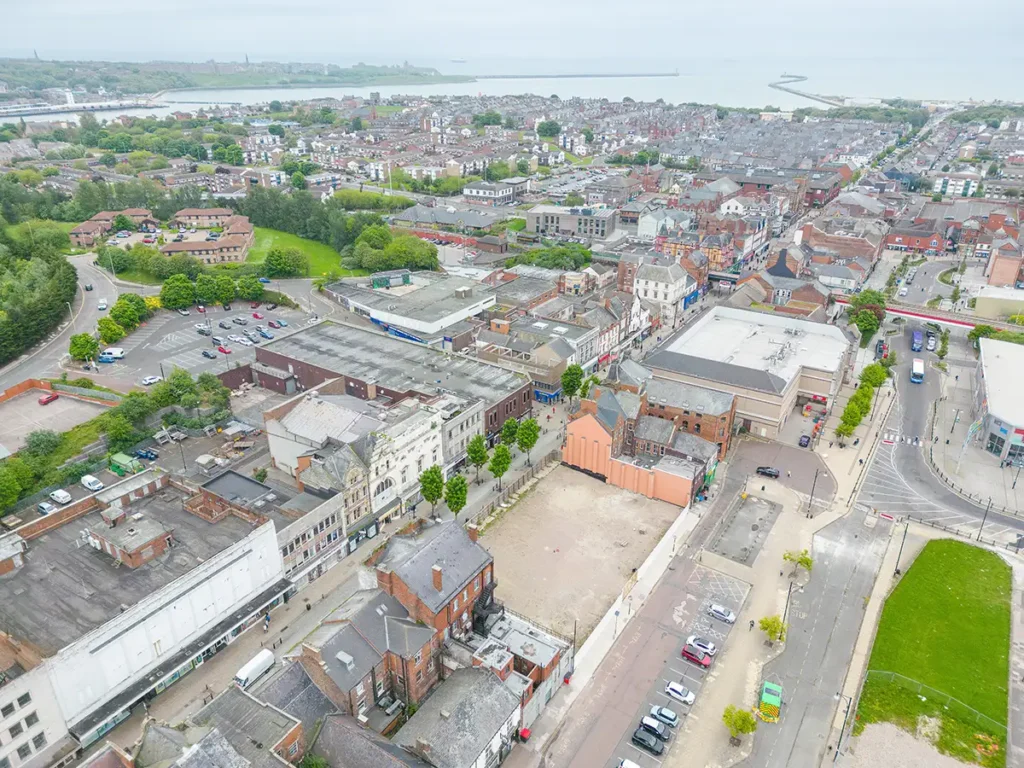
(721, 613)
(665, 715)
(703, 644)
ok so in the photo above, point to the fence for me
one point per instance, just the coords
(511, 488)
(93, 394)
(1008, 546)
(955, 706)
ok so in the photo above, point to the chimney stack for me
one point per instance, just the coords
(473, 531)
(436, 573)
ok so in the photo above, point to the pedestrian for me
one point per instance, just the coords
(751, 624)
(829, 443)
(788, 473)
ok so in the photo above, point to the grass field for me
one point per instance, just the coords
(947, 625)
(322, 258)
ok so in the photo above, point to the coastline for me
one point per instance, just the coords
(439, 80)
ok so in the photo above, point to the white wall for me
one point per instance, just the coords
(434, 327)
(286, 447)
(43, 702)
(506, 730)
(102, 663)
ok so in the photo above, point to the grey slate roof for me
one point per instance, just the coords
(214, 751)
(630, 404)
(654, 429)
(629, 372)
(477, 705)
(364, 658)
(292, 691)
(671, 273)
(695, 446)
(249, 725)
(712, 370)
(346, 744)
(688, 397)
(460, 559)
(609, 410)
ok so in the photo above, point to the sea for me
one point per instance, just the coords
(735, 82)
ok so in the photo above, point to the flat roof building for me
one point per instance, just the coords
(585, 222)
(997, 399)
(771, 362)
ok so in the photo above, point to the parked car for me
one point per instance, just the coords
(257, 316)
(227, 307)
(151, 380)
(147, 453)
(91, 483)
(805, 440)
(201, 309)
(283, 323)
(105, 358)
(88, 286)
(224, 324)
(224, 350)
(264, 280)
(696, 655)
(183, 312)
(655, 728)
(45, 508)
(239, 321)
(665, 715)
(703, 644)
(209, 355)
(680, 692)
(254, 305)
(274, 324)
(932, 343)
(266, 334)
(767, 471)
(148, 240)
(48, 398)
(648, 742)
(122, 234)
(721, 613)
(272, 307)
(60, 496)
(246, 342)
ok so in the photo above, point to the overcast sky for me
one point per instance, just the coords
(643, 31)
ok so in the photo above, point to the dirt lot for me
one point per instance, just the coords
(885, 744)
(565, 550)
(23, 415)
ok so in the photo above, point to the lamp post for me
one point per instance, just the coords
(75, 330)
(983, 519)
(906, 528)
(810, 499)
(849, 703)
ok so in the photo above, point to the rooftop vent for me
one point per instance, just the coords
(345, 659)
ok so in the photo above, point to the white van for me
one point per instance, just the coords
(91, 483)
(254, 669)
(115, 352)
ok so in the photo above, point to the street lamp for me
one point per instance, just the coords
(849, 703)
(75, 330)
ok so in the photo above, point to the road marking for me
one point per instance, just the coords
(645, 753)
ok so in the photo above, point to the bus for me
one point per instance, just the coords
(916, 341)
(917, 371)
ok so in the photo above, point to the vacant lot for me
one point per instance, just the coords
(322, 258)
(565, 550)
(23, 414)
(947, 625)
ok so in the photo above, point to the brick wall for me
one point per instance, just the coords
(236, 377)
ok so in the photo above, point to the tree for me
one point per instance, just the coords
(510, 122)
(42, 442)
(109, 330)
(123, 222)
(588, 135)
(572, 378)
(432, 485)
(83, 346)
(509, 430)
(377, 236)
(774, 628)
(120, 432)
(477, 454)
(206, 289)
(801, 559)
(10, 490)
(527, 435)
(500, 462)
(874, 375)
(868, 325)
(497, 171)
(574, 200)
(136, 406)
(225, 289)
(588, 382)
(137, 303)
(177, 292)
(21, 470)
(357, 124)
(548, 129)
(249, 288)
(314, 761)
(523, 167)
(298, 180)
(955, 296)
(739, 722)
(455, 492)
(124, 314)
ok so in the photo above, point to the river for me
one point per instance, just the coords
(729, 81)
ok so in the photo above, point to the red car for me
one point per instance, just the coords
(47, 399)
(224, 350)
(257, 316)
(697, 656)
(148, 240)
(201, 308)
(274, 324)
(254, 305)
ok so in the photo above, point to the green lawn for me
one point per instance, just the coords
(322, 258)
(947, 625)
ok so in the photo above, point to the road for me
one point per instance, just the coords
(926, 283)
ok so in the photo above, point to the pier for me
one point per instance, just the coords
(41, 108)
(785, 81)
(584, 75)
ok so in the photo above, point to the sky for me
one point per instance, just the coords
(571, 34)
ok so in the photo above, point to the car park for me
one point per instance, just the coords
(721, 613)
(703, 644)
(48, 398)
(60, 496)
(680, 692)
(665, 715)
(45, 508)
(151, 380)
(209, 355)
(767, 471)
(805, 440)
(91, 483)
(648, 742)
(696, 656)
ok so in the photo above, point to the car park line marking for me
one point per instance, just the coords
(644, 753)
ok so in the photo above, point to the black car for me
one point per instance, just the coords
(648, 741)
(224, 324)
(208, 354)
(768, 471)
(272, 306)
(227, 307)
(88, 286)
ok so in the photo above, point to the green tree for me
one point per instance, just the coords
(490, 117)
(874, 375)
(500, 462)
(510, 122)
(298, 180)
(249, 288)
(801, 559)
(377, 236)
(588, 135)
(477, 453)
(23, 473)
(42, 442)
(774, 628)
(225, 289)
(955, 296)
(119, 431)
(572, 379)
(137, 303)
(83, 346)
(527, 435)
(123, 313)
(867, 324)
(136, 406)
(123, 222)
(497, 171)
(588, 382)
(109, 330)
(177, 292)
(739, 722)
(509, 430)
(356, 124)
(206, 289)
(432, 485)
(455, 492)
(10, 490)
(523, 167)
(548, 129)
(574, 200)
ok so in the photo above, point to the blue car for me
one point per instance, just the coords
(264, 280)
(266, 334)
(147, 453)
(105, 359)
(283, 323)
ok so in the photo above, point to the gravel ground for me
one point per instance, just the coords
(885, 744)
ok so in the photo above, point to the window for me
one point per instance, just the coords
(419, 676)
(359, 689)
(39, 741)
(419, 657)
(25, 698)
(465, 595)
(487, 577)
(16, 730)
(293, 749)
(7, 710)
(31, 720)
(24, 751)
(5, 762)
